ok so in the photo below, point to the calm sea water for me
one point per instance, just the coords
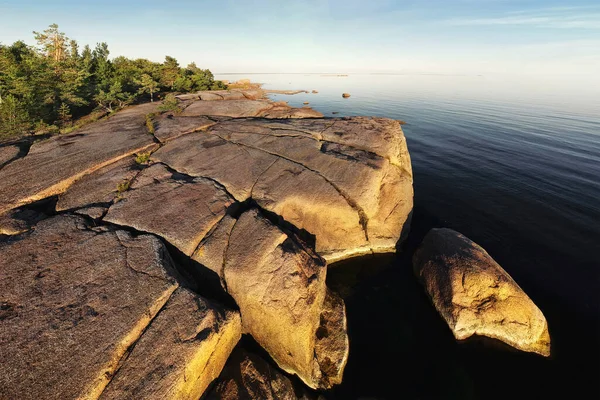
(512, 164)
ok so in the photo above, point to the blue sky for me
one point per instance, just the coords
(545, 37)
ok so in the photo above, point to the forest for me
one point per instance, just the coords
(56, 86)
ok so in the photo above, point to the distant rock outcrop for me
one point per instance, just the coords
(475, 295)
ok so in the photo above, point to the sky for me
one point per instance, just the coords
(553, 39)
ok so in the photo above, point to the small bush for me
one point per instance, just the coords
(142, 158)
(170, 103)
(150, 122)
(123, 186)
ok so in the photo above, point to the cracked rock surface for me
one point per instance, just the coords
(359, 199)
(180, 210)
(232, 183)
(8, 153)
(100, 187)
(279, 285)
(181, 352)
(52, 165)
(247, 376)
(73, 300)
(475, 295)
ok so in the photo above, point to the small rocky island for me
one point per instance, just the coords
(136, 252)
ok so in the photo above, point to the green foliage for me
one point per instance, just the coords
(123, 186)
(150, 122)
(13, 116)
(147, 85)
(56, 83)
(170, 103)
(142, 158)
(64, 115)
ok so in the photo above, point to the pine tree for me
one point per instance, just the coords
(14, 118)
(53, 43)
(170, 72)
(64, 115)
(147, 85)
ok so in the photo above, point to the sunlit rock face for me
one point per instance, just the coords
(347, 182)
(249, 376)
(258, 193)
(180, 354)
(279, 285)
(475, 295)
(74, 299)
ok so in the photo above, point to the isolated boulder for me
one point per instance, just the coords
(73, 300)
(180, 354)
(279, 285)
(475, 295)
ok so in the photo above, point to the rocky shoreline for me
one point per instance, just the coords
(137, 251)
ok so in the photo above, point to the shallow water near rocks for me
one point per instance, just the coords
(513, 165)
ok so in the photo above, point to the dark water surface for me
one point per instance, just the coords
(515, 166)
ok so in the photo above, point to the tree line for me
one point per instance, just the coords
(44, 88)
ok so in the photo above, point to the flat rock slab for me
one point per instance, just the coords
(74, 299)
(19, 221)
(475, 295)
(100, 187)
(248, 376)
(248, 108)
(279, 285)
(180, 354)
(169, 126)
(203, 155)
(379, 191)
(8, 153)
(52, 165)
(231, 108)
(211, 251)
(354, 198)
(179, 209)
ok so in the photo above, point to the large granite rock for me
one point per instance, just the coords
(203, 155)
(169, 127)
(180, 354)
(179, 209)
(52, 165)
(101, 187)
(73, 301)
(8, 153)
(279, 285)
(230, 108)
(19, 221)
(248, 376)
(475, 295)
(211, 250)
(377, 189)
(354, 198)
(243, 107)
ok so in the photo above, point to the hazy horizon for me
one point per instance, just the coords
(532, 39)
